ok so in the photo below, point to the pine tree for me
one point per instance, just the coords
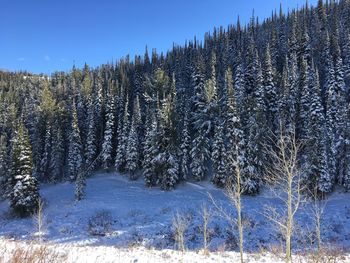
(98, 102)
(239, 83)
(24, 193)
(132, 151)
(270, 93)
(80, 184)
(330, 98)
(219, 157)
(120, 160)
(3, 166)
(346, 171)
(199, 156)
(318, 174)
(149, 153)
(91, 139)
(46, 158)
(139, 128)
(292, 93)
(167, 160)
(75, 156)
(341, 106)
(304, 92)
(58, 154)
(203, 118)
(107, 145)
(200, 143)
(233, 132)
(171, 173)
(250, 163)
(185, 149)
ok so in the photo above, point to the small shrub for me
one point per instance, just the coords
(32, 253)
(136, 238)
(326, 255)
(231, 241)
(100, 223)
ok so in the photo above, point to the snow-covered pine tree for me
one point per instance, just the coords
(332, 117)
(218, 156)
(346, 58)
(254, 125)
(283, 110)
(167, 161)
(149, 153)
(139, 128)
(185, 149)
(47, 155)
(75, 152)
(346, 170)
(250, 161)
(107, 144)
(3, 166)
(171, 173)
(239, 82)
(340, 159)
(233, 131)
(98, 109)
(80, 184)
(291, 70)
(199, 156)
(58, 153)
(132, 151)
(43, 141)
(303, 120)
(271, 98)
(317, 169)
(91, 140)
(24, 192)
(120, 159)
(287, 100)
(204, 116)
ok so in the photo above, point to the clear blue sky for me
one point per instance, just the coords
(48, 35)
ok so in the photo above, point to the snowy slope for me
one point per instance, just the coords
(131, 215)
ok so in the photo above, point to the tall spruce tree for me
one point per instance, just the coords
(120, 159)
(150, 152)
(24, 192)
(346, 171)
(233, 131)
(219, 157)
(58, 153)
(185, 148)
(132, 151)
(318, 175)
(3, 166)
(168, 156)
(75, 152)
(108, 138)
(91, 139)
(270, 93)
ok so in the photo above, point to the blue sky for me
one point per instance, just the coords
(48, 35)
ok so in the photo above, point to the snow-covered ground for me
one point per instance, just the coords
(123, 217)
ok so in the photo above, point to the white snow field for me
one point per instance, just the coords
(123, 221)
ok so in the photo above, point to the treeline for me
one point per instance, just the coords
(195, 112)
